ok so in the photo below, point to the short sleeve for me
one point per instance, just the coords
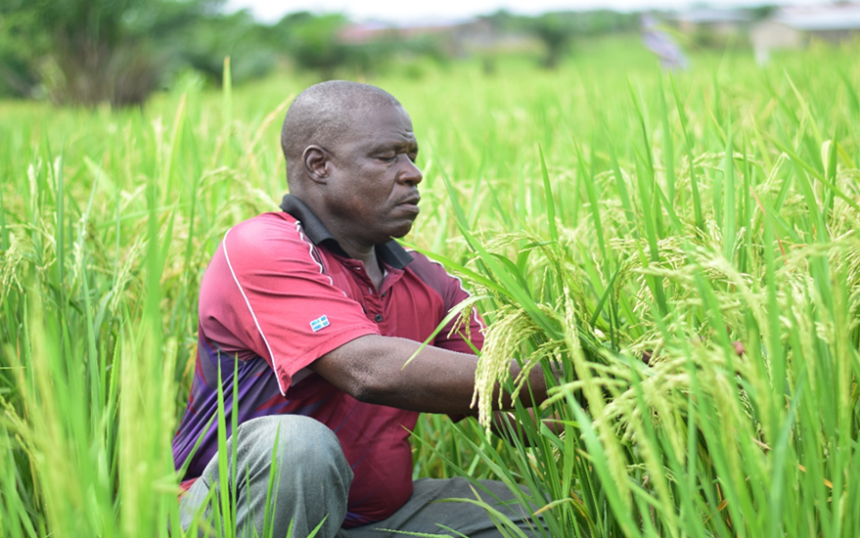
(459, 334)
(266, 291)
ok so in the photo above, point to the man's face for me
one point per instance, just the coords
(374, 181)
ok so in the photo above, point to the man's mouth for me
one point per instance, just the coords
(410, 203)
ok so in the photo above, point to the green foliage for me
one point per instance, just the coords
(762, 12)
(314, 42)
(205, 44)
(608, 262)
(600, 212)
(22, 41)
(94, 51)
(100, 50)
(556, 33)
(558, 30)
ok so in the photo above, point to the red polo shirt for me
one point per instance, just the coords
(280, 293)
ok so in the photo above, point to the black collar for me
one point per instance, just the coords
(391, 252)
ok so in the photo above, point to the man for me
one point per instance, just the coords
(323, 309)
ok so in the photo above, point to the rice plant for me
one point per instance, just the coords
(682, 246)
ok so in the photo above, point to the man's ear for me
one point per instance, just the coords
(316, 162)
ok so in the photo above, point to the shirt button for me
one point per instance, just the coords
(378, 318)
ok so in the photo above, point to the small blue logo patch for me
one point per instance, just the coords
(320, 323)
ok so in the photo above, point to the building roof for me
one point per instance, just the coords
(367, 31)
(824, 18)
(711, 16)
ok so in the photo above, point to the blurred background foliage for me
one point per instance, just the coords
(88, 52)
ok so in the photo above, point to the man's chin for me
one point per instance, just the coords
(400, 231)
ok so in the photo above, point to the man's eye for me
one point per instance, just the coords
(389, 158)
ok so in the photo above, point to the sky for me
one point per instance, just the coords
(412, 11)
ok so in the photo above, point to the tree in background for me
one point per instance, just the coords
(90, 51)
(556, 32)
(22, 42)
(205, 44)
(313, 41)
(118, 51)
(317, 43)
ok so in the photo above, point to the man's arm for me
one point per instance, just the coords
(370, 369)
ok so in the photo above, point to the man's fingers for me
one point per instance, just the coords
(646, 357)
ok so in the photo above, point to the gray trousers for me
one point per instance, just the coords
(311, 484)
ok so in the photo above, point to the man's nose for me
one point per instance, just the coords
(410, 174)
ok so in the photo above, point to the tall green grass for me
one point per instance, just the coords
(602, 213)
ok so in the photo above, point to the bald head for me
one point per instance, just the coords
(324, 115)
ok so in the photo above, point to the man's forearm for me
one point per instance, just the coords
(374, 369)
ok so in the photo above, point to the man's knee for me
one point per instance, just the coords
(296, 445)
(302, 459)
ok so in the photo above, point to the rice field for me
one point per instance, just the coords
(633, 226)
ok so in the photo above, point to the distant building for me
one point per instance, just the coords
(793, 28)
(719, 21)
(458, 37)
(365, 32)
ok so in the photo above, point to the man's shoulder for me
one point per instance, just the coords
(273, 221)
(433, 274)
(420, 262)
(262, 233)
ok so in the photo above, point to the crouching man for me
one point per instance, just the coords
(322, 309)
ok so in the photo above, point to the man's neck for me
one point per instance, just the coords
(344, 234)
(365, 254)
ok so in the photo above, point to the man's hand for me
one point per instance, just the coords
(506, 425)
